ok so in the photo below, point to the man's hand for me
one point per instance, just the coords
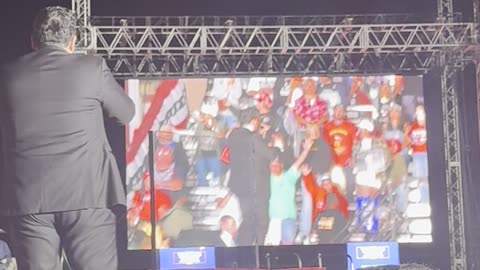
(305, 169)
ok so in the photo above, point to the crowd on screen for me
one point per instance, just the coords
(299, 157)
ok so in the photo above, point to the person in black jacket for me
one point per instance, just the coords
(60, 178)
(249, 153)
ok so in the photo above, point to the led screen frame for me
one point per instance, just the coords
(193, 98)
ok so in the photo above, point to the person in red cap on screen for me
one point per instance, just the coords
(165, 177)
(171, 164)
(264, 101)
(139, 213)
(320, 192)
(330, 208)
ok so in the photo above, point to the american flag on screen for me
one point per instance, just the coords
(168, 107)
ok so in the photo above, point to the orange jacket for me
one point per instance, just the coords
(319, 197)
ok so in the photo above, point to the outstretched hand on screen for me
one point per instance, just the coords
(305, 169)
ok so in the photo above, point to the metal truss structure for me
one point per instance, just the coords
(221, 46)
(158, 50)
(453, 167)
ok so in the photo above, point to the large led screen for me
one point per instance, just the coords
(243, 161)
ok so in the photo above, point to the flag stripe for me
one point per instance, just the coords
(162, 92)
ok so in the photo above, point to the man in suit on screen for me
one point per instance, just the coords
(60, 179)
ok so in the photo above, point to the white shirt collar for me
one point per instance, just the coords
(249, 127)
(227, 239)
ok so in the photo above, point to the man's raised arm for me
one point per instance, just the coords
(115, 103)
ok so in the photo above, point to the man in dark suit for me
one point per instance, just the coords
(59, 177)
(249, 156)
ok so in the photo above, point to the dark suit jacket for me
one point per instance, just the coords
(250, 159)
(240, 144)
(55, 153)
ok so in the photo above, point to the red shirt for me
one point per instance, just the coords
(362, 99)
(418, 135)
(319, 197)
(395, 146)
(311, 112)
(341, 138)
(357, 93)
(141, 203)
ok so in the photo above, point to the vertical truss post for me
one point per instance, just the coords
(82, 11)
(476, 57)
(453, 163)
(445, 10)
(476, 20)
(476, 41)
(453, 168)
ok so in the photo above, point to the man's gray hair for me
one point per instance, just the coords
(53, 26)
(248, 115)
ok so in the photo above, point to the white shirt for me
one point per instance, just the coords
(222, 90)
(297, 93)
(332, 97)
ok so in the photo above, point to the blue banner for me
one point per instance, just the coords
(187, 258)
(362, 255)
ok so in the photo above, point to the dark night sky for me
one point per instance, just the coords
(16, 15)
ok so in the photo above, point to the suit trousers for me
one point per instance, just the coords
(87, 236)
(247, 230)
